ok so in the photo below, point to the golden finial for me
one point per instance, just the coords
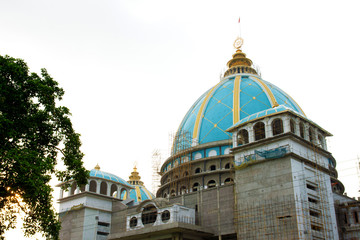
(134, 178)
(238, 43)
(97, 167)
(239, 63)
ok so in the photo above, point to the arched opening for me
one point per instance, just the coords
(259, 131)
(186, 173)
(113, 190)
(183, 190)
(243, 137)
(227, 166)
(211, 184)
(149, 214)
(277, 127)
(228, 181)
(198, 170)
(92, 187)
(196, 187)
(212, 168)
(176, 177)
(165, 195)
(103, 188)
(172, 193)
(73, 188)
(123, 194)
(302, 131)
(292, 126)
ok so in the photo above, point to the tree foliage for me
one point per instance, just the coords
(34, 130)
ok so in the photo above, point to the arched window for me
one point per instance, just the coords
(186, 173)
(212, 153)
(211, 184)
(198, 170)
(302, 131)
(113, 190)
(183, 190)
(243, 137)
(172, 193)
(103, 188)
(227, 166)
(228, 181)
(198, 156)
(259, 130)
(277, 127)
(92, 187)
(165, 195)
(212, 168)
(73, 188)
(196, 187)
(176, 177)
(292, 126)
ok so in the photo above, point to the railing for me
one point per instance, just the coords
(262, 155)
(310, 154)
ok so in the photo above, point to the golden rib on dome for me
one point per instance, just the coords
(236, 99)
(268, 92)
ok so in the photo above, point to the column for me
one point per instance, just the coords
(286, 124)
(268, 128)
(97, 187)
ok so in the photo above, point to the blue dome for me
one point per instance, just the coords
(104, 175)
(139, 194)
(234, 98)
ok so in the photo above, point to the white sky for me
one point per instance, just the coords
(131, 69)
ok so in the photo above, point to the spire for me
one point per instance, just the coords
(97, 167)
(239, 63)
(134, 178)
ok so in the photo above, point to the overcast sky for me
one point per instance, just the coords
(131, 69)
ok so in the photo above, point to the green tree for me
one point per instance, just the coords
(33, 131)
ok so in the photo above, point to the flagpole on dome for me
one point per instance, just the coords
(239, 28)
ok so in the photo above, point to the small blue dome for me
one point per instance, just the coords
(139, 194)
(234, 98)
(108, 176)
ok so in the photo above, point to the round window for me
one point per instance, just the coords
(165, 216)
(133, 222)
(149, 214)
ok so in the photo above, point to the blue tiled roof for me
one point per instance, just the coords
(261, 114)
(233, 99)
(108, 176)
(139, 194)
